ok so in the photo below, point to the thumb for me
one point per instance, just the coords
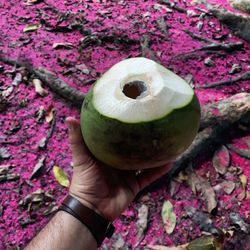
(80, 153)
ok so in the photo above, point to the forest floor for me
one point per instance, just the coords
(80, 40)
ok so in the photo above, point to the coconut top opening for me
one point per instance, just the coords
(134, 89)
(140, 90)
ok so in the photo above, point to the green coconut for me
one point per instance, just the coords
(139, 115)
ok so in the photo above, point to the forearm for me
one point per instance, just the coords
(63, 232)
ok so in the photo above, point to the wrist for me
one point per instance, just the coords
(97, 225)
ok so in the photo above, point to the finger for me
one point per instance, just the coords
(150, 175)
(80, 153)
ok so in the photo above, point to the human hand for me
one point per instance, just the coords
(106, 190)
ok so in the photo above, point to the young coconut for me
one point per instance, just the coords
(139, 115)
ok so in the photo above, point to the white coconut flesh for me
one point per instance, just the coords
(140, 90)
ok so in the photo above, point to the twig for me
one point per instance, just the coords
(145, 48)
(244, 76)
(43, 142)
(197, 37)
(228, 47)
(56, 84)
(104, 38)
(238, 23)
(174, 6)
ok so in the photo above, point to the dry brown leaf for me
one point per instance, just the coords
(4, 153)
(5, 169)
(40, 114)
(37, 196)
(32, 2)
(142, 222)
(198, 183)
(8, 91)
(17, 79)
(38, 167)
(49, 114)
(38, 87)
(32, 27)
(63, 45)
(159, 247)
(227, 186)
(221, 160)
(238, 220)
(243, 180)
(242, 151)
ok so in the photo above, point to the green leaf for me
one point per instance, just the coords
(61, 176)
(205, 243)
(32, 27)
(168, 217)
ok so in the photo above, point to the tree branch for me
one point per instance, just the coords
(56, 84)
(244, 76)
(238, 23)
(217, 133)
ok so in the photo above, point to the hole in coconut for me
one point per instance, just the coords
(134, 89)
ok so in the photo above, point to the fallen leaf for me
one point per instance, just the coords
(32, 27)
(142, 222)
(49, 114)
(38, 167)
(83, 68)
(61, 176)
(38, 87)
(247, 142)
(221, 160)
(237, 220)
(243, 180)
(159, 247)
(32, 2)
(236, 68)
(40, 114)
(227, 186)
(9, 177)
(201, 219)
(205, 243)
(8, 91)
(50, 209)
(4, 153)
(198, 183)
(119, 244)
(62, 45)
(174, 187)
(168, 217)
(244, 152)
(42, 143)
(24, 222)
(37, 196)
(17, 79)
(5, 169)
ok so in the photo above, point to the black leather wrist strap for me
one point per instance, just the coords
(97, 225)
